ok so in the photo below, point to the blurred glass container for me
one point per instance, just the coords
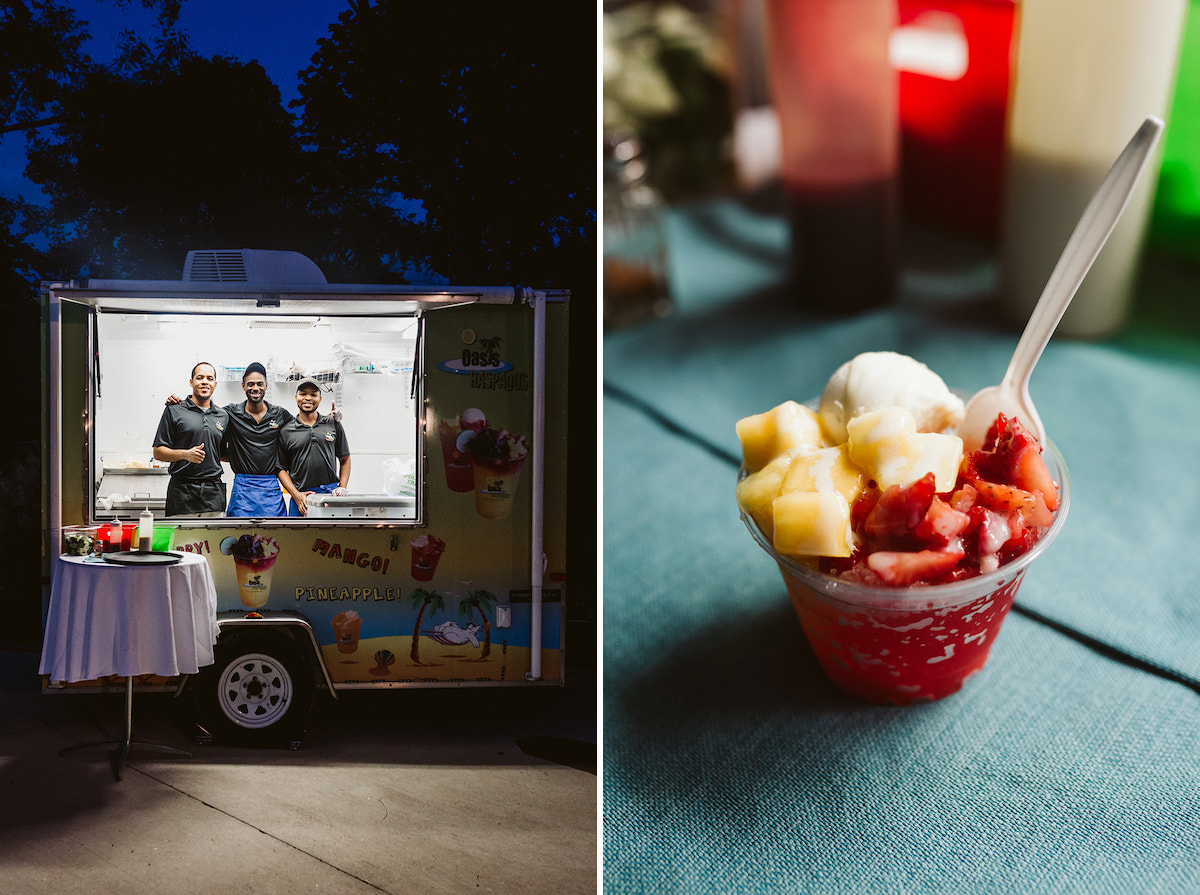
(636, 285)
(1175, 221)
(953, 61)
(836, 94)
(1087, 73)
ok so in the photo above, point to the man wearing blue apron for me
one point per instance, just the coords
(314, 455)
(250, 446)
(189, 437)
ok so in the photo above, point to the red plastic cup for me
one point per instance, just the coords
(903, 645)
(459, 476)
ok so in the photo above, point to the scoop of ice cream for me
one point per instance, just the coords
(472, 419)
(877, 380)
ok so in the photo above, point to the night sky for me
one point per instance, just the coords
(280, 34)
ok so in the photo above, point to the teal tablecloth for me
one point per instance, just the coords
(1071, 764)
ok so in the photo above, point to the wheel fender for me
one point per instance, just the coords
(295, 628)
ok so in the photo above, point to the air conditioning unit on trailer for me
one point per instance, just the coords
(250, 266)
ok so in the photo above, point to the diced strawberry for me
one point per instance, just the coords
(942, 523)
(994, 432)
(862, 506)
(1041, 515)
(1014, 437)
(976, 467)
(901, 568)
(977, 514)
(900, 509)
(1004, 498)
(1018, 545)
(1030, 473)
(995, 532)
(1019, 461)
(964, 498)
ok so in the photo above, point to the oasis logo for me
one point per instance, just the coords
(478, 356)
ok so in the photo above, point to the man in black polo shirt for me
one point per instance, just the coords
(314, 456)
(251, 441)
(250, 447)
(189, 437)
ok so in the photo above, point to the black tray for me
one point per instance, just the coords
(143, 557)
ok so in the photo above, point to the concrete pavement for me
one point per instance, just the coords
(400, 791)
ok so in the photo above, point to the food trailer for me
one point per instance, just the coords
(435, 569)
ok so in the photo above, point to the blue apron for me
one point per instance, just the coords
(320, 489)
(256, 495)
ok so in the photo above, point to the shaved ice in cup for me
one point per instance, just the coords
(346, 626)
(254, 560)
(900, 550)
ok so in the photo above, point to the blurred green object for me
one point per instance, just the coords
(1175, 221)
(162, 538)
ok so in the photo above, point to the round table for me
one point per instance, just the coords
(107, 618)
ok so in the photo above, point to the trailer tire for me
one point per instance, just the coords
(259, 691)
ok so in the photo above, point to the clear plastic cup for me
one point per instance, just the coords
(903, 645)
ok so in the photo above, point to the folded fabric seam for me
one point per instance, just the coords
(633, 402)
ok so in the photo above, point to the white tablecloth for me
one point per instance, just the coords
(128, 620)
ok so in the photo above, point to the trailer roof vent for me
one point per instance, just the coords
(250, 266)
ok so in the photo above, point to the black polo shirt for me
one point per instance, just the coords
(251, 445)
(310, 454)
(184, 426)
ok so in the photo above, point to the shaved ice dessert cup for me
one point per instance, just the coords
(346, 627)
(254, 559)
(904, 645)
(459, 476)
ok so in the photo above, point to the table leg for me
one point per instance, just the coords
(127, 745)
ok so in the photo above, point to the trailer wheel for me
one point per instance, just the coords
(258, 692)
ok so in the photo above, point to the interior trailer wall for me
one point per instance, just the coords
(144, 358)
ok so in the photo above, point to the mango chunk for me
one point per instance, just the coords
(826, 470)
(885, 444)
(787, 427)
(811, 523)
(757, 491)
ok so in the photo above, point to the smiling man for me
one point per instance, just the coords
(250, 446)
(314, 456)
(189, 437)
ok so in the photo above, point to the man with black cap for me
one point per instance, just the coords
(189, 437)
(250, 448)
(314, 456)
(251, 439)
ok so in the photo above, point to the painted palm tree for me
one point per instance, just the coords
(424, 599)
(477, 600)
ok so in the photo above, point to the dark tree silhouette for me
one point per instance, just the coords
(484, 114)
(194, 153)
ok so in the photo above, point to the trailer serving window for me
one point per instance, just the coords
(368, 365)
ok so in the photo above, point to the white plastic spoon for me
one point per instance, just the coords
(1011, 396)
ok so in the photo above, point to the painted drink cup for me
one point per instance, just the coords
(345, 631)
(425, 556)
(496, 484)
(903, 645)
(458, 465)
(254, 579)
